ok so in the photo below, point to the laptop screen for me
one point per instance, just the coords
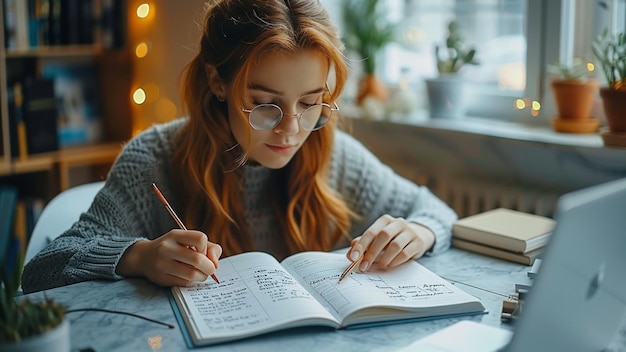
(578, 299)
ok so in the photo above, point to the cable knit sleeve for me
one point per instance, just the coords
(123, 212)
(372, 189)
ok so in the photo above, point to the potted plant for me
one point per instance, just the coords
(367, 31)
(610, 51)
(27, 325)
(446, 93)
(574, 88)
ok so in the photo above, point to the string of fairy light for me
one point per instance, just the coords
(151, 103)
(141, 51)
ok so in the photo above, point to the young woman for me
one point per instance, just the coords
(258, 164)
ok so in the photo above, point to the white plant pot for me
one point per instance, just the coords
(55, 340)
(447, 97)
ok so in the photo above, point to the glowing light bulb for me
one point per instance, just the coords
(141, 50)
(143, 10)
(591, 67)
(536, 105)
(520, 104)
(139, 96)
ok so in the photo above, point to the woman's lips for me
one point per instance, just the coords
(282, 148)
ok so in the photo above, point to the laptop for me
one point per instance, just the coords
(578, 298)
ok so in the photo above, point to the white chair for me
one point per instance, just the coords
(59, 215)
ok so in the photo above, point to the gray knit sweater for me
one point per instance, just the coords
(126, 210)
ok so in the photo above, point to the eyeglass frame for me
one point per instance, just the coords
(296, 115)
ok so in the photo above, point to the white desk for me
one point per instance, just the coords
(112, 332)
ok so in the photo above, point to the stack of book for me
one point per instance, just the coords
(504, 233)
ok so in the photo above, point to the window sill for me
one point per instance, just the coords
(500, 129)
(487, 149)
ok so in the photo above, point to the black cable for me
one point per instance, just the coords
(119, 312)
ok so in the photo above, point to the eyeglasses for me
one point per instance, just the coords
(267, 116)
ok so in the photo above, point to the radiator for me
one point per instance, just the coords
(468, 196)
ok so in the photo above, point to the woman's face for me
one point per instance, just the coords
(292, 82)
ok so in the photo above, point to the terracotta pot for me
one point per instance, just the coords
(574, 99)
(614, 104)
(371, 86)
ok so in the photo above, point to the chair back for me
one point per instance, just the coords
(59, 215)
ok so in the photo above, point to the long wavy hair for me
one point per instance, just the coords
(236, 34)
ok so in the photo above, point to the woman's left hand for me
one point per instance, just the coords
(390, 242)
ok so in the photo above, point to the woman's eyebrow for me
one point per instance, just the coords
(276, 92)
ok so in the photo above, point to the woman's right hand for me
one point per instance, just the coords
(171, 259)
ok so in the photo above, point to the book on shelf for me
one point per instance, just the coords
(8, 201)
(17, 128)
(507, 229)
(40, 115)
(20, 226)
(15, 24)
(77, 99)
(113, 29)
(37, 23)
(522, 258)
(257, 294)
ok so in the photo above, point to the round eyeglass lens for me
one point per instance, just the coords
(265, 116)
(323, 114)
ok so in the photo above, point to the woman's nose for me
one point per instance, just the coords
(289, 125)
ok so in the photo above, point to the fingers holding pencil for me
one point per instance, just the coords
(212, 250)
(174, 258)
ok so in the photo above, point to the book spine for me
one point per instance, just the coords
(9, 14)
(40, 115)
(20, 226)
(54, 20)
(8, 200)
(493, 252)
(21, 145)
(113, 24)
(33, 23)
(489, 239)
(86, 23)
(22, 41)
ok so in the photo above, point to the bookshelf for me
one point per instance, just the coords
(111, 76)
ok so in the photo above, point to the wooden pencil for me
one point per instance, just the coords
(176, 218)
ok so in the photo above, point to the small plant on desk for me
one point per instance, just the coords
(25, 319)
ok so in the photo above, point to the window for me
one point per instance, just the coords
(514, 39)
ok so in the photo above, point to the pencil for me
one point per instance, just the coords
(176, 218)
(350, 268)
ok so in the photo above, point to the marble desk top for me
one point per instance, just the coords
(488, 278)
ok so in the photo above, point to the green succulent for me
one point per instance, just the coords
(23, 318)
(366, 30)
(576, 70)
(610, 51)
(456, 55)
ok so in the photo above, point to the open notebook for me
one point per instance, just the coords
(578, 298)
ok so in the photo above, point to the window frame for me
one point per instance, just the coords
(550, 32)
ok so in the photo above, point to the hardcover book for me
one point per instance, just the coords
(527, 258)
(257, 295)
(507, 229)
(40, 115)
